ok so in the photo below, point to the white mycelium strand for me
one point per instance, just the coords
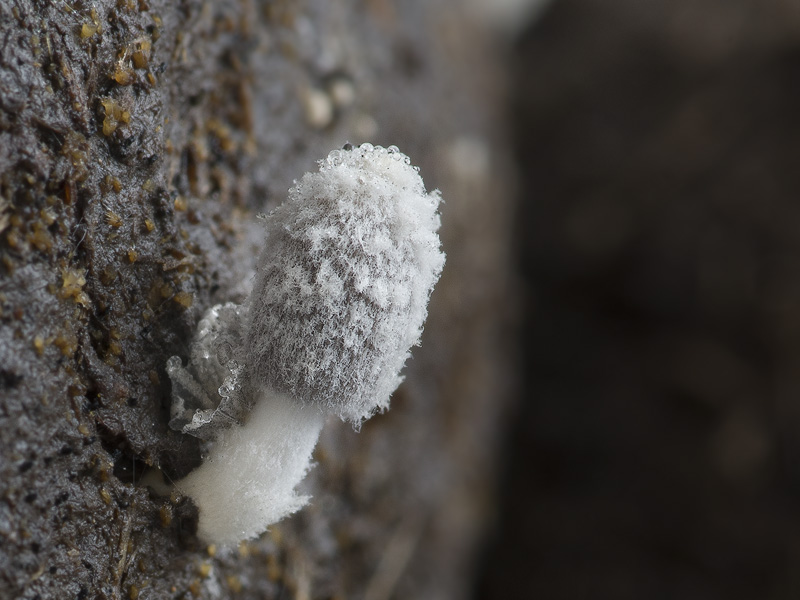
(340, 297)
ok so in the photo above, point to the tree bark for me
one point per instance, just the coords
(139, 139)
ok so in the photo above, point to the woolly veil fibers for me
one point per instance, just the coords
(340, 297)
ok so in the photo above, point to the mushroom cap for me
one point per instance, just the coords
(343, 282)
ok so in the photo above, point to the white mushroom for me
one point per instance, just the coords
(340, 297)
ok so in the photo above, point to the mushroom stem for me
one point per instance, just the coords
(247, 481)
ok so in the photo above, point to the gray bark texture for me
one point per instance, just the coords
(139, 139)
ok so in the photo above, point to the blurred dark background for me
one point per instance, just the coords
(655, 452)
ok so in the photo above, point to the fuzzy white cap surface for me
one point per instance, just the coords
(342, 285)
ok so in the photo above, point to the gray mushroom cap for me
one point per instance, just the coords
(343, 282)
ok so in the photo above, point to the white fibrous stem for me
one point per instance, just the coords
(248, 480)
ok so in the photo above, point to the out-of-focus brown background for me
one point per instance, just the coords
(656, 448)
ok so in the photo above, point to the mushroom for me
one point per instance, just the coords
(340, 297)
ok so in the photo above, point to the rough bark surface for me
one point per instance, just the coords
(138, 141)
